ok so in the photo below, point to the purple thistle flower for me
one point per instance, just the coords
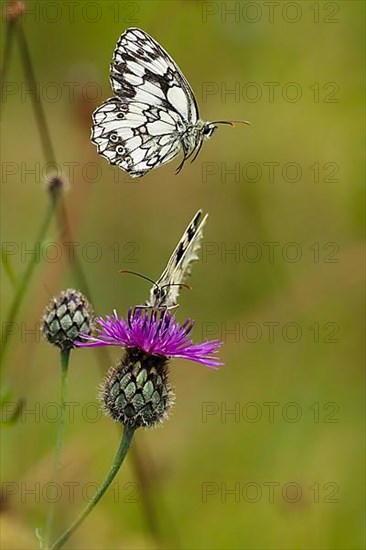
(159, 335)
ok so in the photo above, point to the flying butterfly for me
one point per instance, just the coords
(164, 293)
(154, 114)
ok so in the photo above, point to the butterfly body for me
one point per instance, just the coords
(154, 115)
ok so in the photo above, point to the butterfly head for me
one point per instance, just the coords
(208, 129)
(159, 294)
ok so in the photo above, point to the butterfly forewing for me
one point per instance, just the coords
(166, 291)
(140, 128)
(142, 68)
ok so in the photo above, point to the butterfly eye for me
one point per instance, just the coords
(113, 138)
(208, 130)
(120, 149)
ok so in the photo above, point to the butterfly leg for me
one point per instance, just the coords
(180, 166)
(198, 150)
(141, 307)
(156, 308)
(185, 157)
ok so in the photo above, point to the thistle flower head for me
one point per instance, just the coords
(154, 333)
(65, 318)
(137, 392)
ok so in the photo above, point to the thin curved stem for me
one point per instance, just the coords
(125, 444)
(49, 156)
(65, 357)
(24, 282)
(37, 103)
(16, 30)
(8, 49)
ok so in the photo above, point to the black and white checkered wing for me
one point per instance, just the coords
(178, 269)
(138, 130)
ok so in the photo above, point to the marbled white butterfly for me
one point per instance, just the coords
(154, 114)
(164, 294)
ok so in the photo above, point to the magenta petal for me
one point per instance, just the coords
(156, 334)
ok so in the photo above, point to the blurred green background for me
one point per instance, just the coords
(209, 474)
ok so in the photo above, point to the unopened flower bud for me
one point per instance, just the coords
(66, 317)
(14, 9)
(56, 185)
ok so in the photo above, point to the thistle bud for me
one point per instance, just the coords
(14, 9)
(137, 392)
(65, 318)
(56, 185)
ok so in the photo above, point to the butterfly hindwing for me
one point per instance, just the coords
(166, 291)
(121, 134)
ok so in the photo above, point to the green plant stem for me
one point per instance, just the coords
(67, 236)
(49, 156)
(24, 282)
(8, 48)
(37, 103)
(125, 444)
(65, 357)
(48, 149)
(66, 233)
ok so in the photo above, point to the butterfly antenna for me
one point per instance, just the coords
(231, 122)
(139, 275)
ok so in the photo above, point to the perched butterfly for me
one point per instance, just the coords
(154, 114)
(165, 292)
